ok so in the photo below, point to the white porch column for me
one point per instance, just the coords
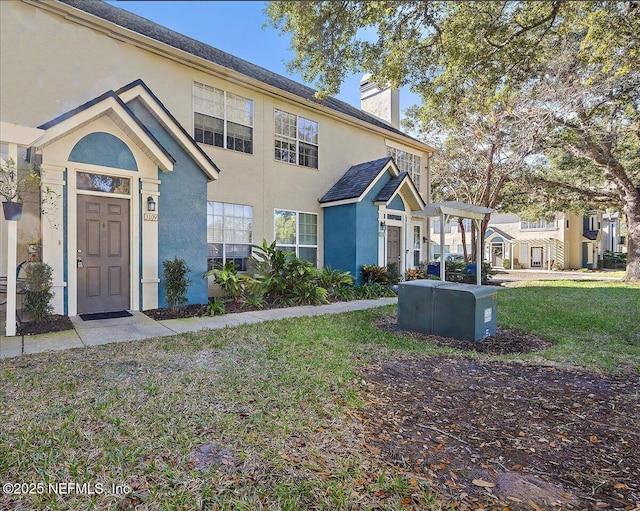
(12, 246)
(149, 279)
(442, 261)
(478, 253)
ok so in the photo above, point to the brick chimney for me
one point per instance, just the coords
(382, 103)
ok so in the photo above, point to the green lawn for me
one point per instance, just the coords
(275, 401)
(592, 324)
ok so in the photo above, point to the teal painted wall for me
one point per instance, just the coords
(182, 211)
(103, 149)
(351, 232)
(368, 227)
(396, 204)
(339, 234)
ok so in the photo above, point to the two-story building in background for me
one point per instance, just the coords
(160, 146)
(567, 241)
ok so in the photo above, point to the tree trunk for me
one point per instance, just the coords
(463, 232)
(632, 211)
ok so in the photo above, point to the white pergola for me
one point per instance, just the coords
(14, 136)
(453, 209)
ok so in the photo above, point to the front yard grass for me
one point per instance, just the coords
(258, 416)
(593, 324)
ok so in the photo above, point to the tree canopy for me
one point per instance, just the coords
(569, 70)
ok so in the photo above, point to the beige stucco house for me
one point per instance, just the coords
(160, 146)
(568, 241)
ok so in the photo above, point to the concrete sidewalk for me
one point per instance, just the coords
(140, 326)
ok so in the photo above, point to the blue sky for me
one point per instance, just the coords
(237, 28)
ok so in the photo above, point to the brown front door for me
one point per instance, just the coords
(393, 245)
(103, 254)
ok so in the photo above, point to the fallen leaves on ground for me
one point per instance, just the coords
(508, 434)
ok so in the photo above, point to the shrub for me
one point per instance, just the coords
(226, 276)
(216, 306)
(283, 278)
(414, 274)
(343, 293)
(253, 301)
(373, 291)
(331, 279)
(38, 283)
(506, 264)
(374, 274)
(175, 282)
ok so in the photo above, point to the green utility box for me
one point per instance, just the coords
(462, 311)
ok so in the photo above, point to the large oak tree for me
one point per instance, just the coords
(574, 68)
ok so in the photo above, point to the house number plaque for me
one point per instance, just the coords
(151, 217)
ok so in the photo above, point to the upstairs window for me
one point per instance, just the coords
(538, 224)
(407, 162)
(296, 139)
(222, 119)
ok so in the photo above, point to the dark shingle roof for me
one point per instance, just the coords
(591, 235)
(164, 35)
(389, 189)
(355, 180)
(500, 233)
(109, 94)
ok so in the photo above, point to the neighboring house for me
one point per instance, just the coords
(160, 146)
(568, 241)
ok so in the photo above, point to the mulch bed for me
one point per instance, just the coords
(505, 341)
(187, 311)
(57, 323)
(198, 310)
(507, 435)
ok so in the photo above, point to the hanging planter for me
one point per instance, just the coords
(16, 184)
(12, 210)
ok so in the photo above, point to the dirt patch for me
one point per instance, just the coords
(505, 341)
(508, 434)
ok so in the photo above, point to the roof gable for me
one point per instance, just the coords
(404, 185)
(138, 89)
(492, 230)
(357, 180)
(110, 105)
(114, 105)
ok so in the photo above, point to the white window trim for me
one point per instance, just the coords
(297, 140)
(225, 117)
(224, 242)
(298, 244)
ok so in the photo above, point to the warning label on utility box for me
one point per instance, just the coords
(488, 315)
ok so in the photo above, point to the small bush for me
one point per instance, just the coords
(175, 282)
(283, 278)
(374, 274)
(506, 264)
(217, 306)
(253, 301)
(331, 279)
(373, 291)
(38, 283)
(414, 274)
(226, 276)
(393, 274)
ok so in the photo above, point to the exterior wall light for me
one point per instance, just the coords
(151, 204)
(383, 227)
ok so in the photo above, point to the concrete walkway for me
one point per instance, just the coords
(140, 326)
